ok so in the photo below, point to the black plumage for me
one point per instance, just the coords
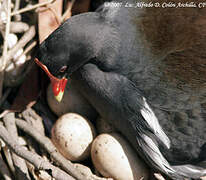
(143, 69)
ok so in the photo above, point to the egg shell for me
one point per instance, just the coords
(72, 101)
(72, 135)
(113, 157)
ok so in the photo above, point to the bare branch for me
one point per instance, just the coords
(32, 157)
(4, 169)
(19, 163)
(5, 49)
(31, 7)
(48, 145)
(21, 43)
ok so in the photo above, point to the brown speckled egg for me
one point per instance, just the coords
(72, 135)
(113, 157)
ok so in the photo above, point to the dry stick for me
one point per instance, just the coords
(21, 43)
(33, 119)
(17, 17)
(9, 160)
(38, 175)
(36, 121)
(17, 5)
(158, 176)
(56, 16)
(23, 75)
(68, 10)
(48, 145)
(19, 163)
(5, 49)
(29, 48)
(31, 7)
(19, 27)
(4, 113)
(4, 169)
(32, 157)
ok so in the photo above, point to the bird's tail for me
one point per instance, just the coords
(190, 171)
(153, 156)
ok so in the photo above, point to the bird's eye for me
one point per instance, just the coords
(63, 68)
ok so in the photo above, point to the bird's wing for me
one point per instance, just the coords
(137, 122)
(145, 125)
(111, 93)
(152, 121)
(143, 115)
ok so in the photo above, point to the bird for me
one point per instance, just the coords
(142, 67)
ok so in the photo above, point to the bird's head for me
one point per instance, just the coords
(73, 44)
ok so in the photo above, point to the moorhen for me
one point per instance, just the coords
(144, 70)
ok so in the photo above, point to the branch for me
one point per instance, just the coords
(19, 163)
(68, 11)
(21, 43)
(48, 145)
(19, 27)
(17, 17)
(31, 7)
(4, 169)
(5, 49)
(32, 157)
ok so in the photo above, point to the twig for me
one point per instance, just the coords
(5, 49)
(32, 157)
(48, 145)
(46, 15)
(4, 113)
(29, 48)
(19, 27)
(9, 160)
(158, 176)
(68, 11)
(31, 7)
(53, 11)
(9, 122)
(38, 175)
(21, 43)
(17, 5)
(17, 17)
(19, 163)
(88, 173)
(4, 169)
(34, 120)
